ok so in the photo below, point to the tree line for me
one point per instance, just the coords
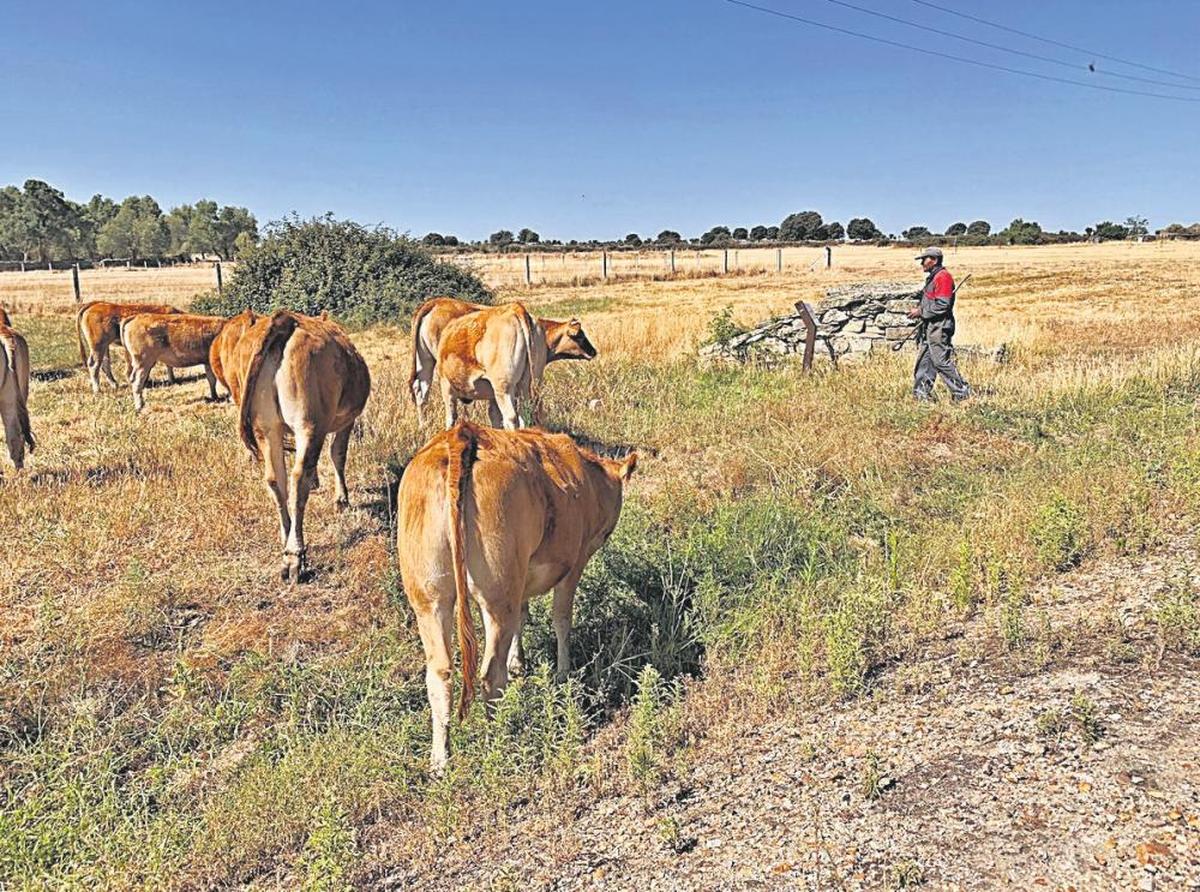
(39, 224)
(809, 226)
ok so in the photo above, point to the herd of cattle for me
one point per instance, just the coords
(497, 515)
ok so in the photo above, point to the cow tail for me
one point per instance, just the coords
(281, 328)
(23, 421)
(422, 312)
(529, 335)
(10, 348)
(461, 445)
(84, 350)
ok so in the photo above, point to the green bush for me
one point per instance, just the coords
(359, 275)
(1059, 532)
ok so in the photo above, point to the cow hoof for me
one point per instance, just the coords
(342, 505)
(292, 569)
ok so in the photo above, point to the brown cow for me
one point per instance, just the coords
(230, 333)
(498, 516)
(499, 354)
(14, 391)
(430, 319)
(98, 327)
(178, 340)
(299, 376)
(564, 340)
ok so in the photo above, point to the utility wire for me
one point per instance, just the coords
(1058, 43)
(1004, 49)
(953, 58)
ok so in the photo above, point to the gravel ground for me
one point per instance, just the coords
(1071, 763)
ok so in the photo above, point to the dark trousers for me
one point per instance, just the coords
(936, 357)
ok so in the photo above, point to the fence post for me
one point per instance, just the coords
(725, 261)
(75, 281)
(220, 287)
(779, 260)
(528, 275)
(672, 261)
(828, 257)
(128, 263)
(810, 334)
(604, 264)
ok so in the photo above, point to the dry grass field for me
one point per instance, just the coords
(172, 716)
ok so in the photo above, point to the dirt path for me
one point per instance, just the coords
(1071, 762)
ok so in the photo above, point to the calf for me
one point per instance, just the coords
(499, 354)
(497, 516)
(98, 327)
(430, 319)
(564, 340)
(178, 340)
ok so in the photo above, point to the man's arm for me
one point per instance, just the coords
(938, 304)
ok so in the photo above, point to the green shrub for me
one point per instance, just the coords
(359, 275)
(722, 328)
(1177, 613)
(645, 743)
(331, 848)
(1059, 533)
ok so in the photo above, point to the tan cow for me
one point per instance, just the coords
(98, 327)
(178, 340)
(500, 517)
(14, 391)
(300, 377)
(430, 319)
(564, 340)
(231, 332)
(499, 354)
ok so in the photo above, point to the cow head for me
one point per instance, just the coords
(567, 340)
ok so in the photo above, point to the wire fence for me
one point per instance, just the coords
(588, 267)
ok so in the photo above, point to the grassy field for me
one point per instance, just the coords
(170, 715)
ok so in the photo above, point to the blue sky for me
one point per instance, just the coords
(591, 120)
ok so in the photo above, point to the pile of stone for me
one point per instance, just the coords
(853, 321)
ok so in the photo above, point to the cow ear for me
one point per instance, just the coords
(629, 466)
(574, 328)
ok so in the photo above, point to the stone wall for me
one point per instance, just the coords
(852, 322)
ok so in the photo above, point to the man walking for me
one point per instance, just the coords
(935, 355)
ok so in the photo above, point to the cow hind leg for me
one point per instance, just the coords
(508, 410)
(275, 477)
(93, 370)
(499, 626)
(338, 450)
(106, 362)
(304, 467)
(137, 383)
(516, 653)
(433, 623)
(14, 436)
(212, 381)
(560, 612)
